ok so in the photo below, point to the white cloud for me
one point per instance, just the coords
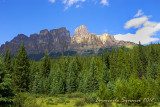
(69, 3)
(144, 34)
(136, 22)
(65, 1)
(104, 2)
(139, 13)
(78, 6)
(52, 1)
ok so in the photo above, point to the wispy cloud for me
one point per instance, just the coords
(78, 6)
(69, 3)
(136, 22)
(52, 1)
(139, 13)
(105, 2)
(145, 30)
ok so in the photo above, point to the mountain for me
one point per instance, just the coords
(60, 40)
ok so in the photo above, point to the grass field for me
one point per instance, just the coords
(62, 100)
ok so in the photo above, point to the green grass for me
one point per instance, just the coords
(131, 46)
(76, 99)
(67, 100)
(70, 102)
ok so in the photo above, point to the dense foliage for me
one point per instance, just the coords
(130, 77)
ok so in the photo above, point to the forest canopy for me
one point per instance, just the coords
(121, 74)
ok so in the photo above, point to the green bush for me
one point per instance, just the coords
(80, 102)
(90, 98)
(25, 100)
(67, 101)
(60, 100)
(49, 101)
(76, 95)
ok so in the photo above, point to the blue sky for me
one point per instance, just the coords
(130, 20)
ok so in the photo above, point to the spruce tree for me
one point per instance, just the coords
(121, 89)
(120, 62)
(91, 78)
(57, 82)
(72, 83)
(21, 70)
(105, 74)
(64, 70)
(157, 87)
(7, 61)
(6, 92)
(136, 88)
(32, 75)
(78, 64)
(46, 65)
(36, 84)
(105, 59)
(113, 65)
(102, 94)
(142, 57)
(94, 75)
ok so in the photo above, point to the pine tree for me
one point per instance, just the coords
(32, 75)
(36, 84)
(81, 87)
(136, 63)
(105, 75)
(102, 94)
(158, 86)
(136, 88)
(121, 89)
(57, 82)
(142, 57)
(94, 75)
(46, 65)
(78, 64)
(21, 70)
(6, 92)
(46, 86)
(120, 62)
(105, 59)
(113, 65)
(149, 91)
(151, 70)
(72, 84)
(64, 70)
(7, 61)
(91, 78)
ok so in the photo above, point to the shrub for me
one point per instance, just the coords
(80, 102)
(76, 95)
(25, 100)
(67, 101)
(60, 100)
(90, 98)
(49, 101)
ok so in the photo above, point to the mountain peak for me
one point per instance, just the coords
(44, 32)
(81, 31)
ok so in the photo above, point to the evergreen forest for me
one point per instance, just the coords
(120, 77)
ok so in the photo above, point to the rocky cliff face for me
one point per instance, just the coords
(59, 40)
(83, 40)
(56, 40)
(81, 31)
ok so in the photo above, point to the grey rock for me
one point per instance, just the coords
(60, 40)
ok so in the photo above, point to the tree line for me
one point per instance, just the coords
(131, 74)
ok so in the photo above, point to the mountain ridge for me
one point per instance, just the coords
(60, 40)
